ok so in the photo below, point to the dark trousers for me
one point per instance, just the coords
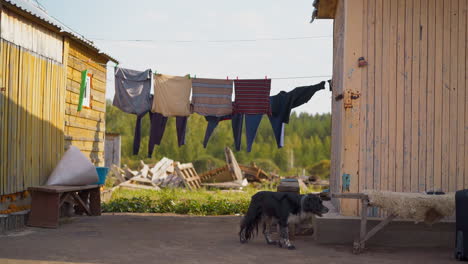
(158, 126)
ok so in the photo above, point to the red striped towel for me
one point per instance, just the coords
(252, 96)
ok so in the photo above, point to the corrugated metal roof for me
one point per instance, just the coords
(34, 9)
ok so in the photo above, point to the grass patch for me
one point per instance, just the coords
(181, 201)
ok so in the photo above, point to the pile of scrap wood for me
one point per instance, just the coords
(234, 172)
(153, 177)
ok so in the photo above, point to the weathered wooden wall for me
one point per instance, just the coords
(30, 35)
(32, 108)
(112, 149)
(85, 129)
(337, 108)
(412, 113)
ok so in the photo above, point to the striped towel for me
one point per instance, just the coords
(252, 96)
(212, 97)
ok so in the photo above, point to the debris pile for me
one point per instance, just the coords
(168, 173)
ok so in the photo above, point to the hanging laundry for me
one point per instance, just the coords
(158, 126)
(171, 95)
(132, 95)
(132, 91)
(284, 102)
(212, 97)
(252, 102)
(252, 122)
(252, 96)
(212, 124)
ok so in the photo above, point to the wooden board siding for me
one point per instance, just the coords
(85, 129)
(31, 117)
(413, 127)
(337, 107)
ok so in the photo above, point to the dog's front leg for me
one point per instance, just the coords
(267, 231)
(284, 237)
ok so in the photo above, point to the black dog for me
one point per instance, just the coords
(266, 207)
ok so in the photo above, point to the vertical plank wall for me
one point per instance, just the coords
(85, 129)
(31, 123)
(413, 121)
(337, 108)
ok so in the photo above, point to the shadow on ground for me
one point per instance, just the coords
(150, 238)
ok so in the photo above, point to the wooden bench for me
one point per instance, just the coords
(364, 235)
(47, 200)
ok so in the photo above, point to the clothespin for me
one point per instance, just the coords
(227, 78)
(237, 77)
(265, 77)
(195, 76)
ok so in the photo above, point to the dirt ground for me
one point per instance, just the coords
(150, 238)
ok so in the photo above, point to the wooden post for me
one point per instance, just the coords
(364, 206)
(351, 83)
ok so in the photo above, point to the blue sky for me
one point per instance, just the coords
(201, 22)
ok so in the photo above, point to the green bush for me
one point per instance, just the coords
(320, 170)
(267, 165)
(180, 201)
(206, 163)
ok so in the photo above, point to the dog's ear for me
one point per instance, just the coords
(313, 203)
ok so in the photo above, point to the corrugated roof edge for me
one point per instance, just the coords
(62, 29)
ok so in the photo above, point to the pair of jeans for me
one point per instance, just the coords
(158, 126)
(252, 122)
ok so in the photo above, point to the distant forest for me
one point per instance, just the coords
(307, 143)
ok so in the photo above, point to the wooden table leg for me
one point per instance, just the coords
(360, 243)
(95, 201)
(45, 209)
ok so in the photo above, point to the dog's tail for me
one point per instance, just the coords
(251, 220)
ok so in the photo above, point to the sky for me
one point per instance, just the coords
(183, 35)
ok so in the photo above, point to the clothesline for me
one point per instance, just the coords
(273, 78)
(213, 41)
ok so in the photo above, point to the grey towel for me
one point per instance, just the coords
(132, 91)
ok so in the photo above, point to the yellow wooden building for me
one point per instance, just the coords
(41, 61)
(402, 124)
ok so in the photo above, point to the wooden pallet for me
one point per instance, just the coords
(139, 183)
(190, 177)
(221, 174)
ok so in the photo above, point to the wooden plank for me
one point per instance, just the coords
(370, 143)
(392, 96)
(466, 109)
(415, 96)
(385, 93)
(85, 113)
(446, 97)
(461, 90)
(75, 123)
(327, 9)
(75, 75)
(431, 66)
(3, 114)
(363, 166)
(407, 96)
(77, 138)
(378, 94)
(438, 93)
(74, 87)
(61, 188)
(400, 99)
(352, 51)
(422, 127)
(13, 118)
(453, 108)
(337, 120)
